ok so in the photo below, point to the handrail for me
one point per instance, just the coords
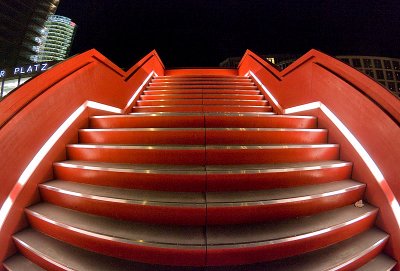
(361, 115)
(132, 71)
(34, 128)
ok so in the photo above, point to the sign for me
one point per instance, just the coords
(25, 70)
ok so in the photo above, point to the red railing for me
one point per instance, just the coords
(362, 116)
(47, 111)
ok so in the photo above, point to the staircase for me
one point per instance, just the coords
(202, 175)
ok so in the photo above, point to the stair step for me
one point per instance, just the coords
(52, 254)
(258, 120)
(202, 108)
(189, 136)
(380, 262)
(201, 82)
(262, 205)
(265, 154)
(201, 136)
(346, 255)
(56, 255)
(163, 207)
(148, 177)
(231, 136)
(149, 120)
(208, 93)
(139, 154)
(193, 178)
(245, 244)
(201, 86)
(189, 79)
(269, 176)
(20, 263)
(201, 77)
(232, 102)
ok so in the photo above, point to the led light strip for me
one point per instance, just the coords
(136, 93)
(372, 166)
(44, 150)
(265, 89)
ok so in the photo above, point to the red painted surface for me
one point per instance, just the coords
(201, 72)
(235, 255)
(368, 110)
(30, 115)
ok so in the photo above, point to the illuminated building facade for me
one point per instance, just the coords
(22, 24)
(57, 39)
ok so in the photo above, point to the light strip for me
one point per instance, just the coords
(136, 93)
(372, 166)
(266, 90)
(41, 154)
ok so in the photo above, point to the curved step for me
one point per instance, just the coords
(193, 93)
(202, 108)
(268, 176)
(139, 154)
(258, 120)
(246, 244)
(223, 101)
(231, 136)
(178, 208)
(380, 262)
(148, 120)
(264, 154)
(201, 86)
(260, 206)
(52, 254)
(147, 177)
(143, 136)
(202, 82)
(20, 263)
(346, 255)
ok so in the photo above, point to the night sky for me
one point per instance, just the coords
(202, 33)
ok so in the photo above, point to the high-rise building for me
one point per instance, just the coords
(56, 40)
(21, 27)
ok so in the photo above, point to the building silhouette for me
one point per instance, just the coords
(21, 27)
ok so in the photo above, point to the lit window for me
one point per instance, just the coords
(397, 76)
(391, 86)
(387, 64)
(367, 63)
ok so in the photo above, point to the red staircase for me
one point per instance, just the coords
(202, 175)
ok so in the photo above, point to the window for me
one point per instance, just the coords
(396, 65)
(398, 87)
(370, 73)
(397, 76)
(387, 64)
(391, 86)
(378, 63)
(382, 83)
(356, 62)
(389, 75)
(367, 63)
(379, 74)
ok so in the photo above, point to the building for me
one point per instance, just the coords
(385, 70)
(21, 27)
(57, 39)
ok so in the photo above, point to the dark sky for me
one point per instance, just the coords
(203, 33)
